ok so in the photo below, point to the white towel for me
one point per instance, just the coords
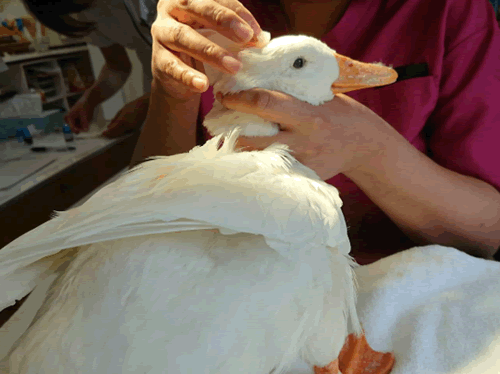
(436, 308)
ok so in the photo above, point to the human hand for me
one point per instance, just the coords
(176, 43)
(336, 137)
(81, 114)
(129, 118)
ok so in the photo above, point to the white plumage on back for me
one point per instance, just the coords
(172, 296)
(214, 261)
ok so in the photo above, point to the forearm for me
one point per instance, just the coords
(170, 127)
(429, 203)
(106, 85)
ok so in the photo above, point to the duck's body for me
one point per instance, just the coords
(188, 302)
(214, 261)
(209, 274)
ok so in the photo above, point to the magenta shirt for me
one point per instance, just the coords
(452, 113)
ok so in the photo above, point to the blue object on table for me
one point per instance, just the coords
(5, 24)
(47, 122)
(20, 24)
(23, 134)
(19, 135)
(68, 135)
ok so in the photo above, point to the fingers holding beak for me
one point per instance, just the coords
(259, 41)
(356, 75)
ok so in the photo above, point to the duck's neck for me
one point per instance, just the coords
(313, 18)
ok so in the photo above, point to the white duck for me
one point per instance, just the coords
(213, 261)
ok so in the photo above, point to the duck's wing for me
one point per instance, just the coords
(112, 213)
(24, 262)
(121, 209)
(212, 187)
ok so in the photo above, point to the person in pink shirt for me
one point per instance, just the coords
(415, 162)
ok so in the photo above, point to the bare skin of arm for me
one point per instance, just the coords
(429, 203)
(170, 126)
(113, 75)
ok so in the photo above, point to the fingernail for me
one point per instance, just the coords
(244, 33)
(231, 64)
(199, 84)
(253, 24)
(256, 28)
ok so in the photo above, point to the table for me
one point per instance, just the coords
(61, 183)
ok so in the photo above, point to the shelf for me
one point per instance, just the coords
(70, 94)
(37, 55)
(45, 70)
(61, 75)
(51, 99)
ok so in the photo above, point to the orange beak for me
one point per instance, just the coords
(355, 75)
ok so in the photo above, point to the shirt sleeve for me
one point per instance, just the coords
(464, 130)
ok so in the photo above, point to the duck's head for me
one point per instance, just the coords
(301, 66)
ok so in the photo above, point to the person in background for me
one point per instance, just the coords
(112, 26)
(415, 162)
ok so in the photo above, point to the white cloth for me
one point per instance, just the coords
(437, 309)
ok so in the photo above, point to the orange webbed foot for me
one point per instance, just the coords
(357, 357)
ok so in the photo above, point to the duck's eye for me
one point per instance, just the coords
(298, 63)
